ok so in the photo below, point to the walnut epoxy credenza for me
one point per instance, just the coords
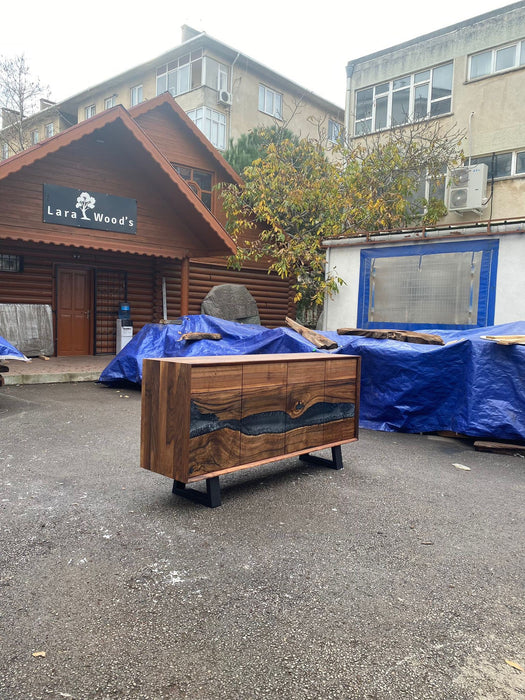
(207, 416)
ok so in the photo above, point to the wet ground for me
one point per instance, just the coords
(399, 577)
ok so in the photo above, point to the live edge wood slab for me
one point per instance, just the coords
(207, 416)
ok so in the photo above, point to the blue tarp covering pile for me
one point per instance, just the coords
(469, 385)
(9, 352)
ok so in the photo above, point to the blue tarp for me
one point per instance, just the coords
(9, 352)
(469, 386)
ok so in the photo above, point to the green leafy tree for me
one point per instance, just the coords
(287, 206)
(251, 146)
(294, 197)
(385, 176)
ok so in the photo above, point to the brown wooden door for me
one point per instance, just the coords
(74, 312)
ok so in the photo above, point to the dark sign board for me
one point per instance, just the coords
(83, 209)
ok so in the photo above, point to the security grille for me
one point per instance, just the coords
(110, 291)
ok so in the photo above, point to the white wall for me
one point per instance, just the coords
(344, 260)
(510, 287)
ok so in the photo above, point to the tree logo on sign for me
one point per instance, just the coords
(84, 202)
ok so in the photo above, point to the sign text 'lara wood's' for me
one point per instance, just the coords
(104, 212)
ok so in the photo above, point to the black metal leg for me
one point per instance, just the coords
(212, 497)
(335, 463)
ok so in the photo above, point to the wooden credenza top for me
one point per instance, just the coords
(248, 359)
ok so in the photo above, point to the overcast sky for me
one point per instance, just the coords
(71, 46)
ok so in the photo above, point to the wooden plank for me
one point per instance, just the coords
(506, 339)
(499, 447)
(318, 340)
(191, 337)
(394, 334)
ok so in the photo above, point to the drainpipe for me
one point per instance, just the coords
(470, 137)
(230, 120)
(184, 286)
(164, 300)
(348, 97)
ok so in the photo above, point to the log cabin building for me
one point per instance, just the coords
(120, 208)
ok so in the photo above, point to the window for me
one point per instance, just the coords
(191, 71)
(11, 263)
(212, 124)
(421, 95)
(90, 111)
(496, 60)
(35, 137)
(428, 188)
(5, 151)
(335, 131)
(136, 95)
(439, 285)
(199, 181)
(270, 102)
(502, 164)
(110, 102)
(49, 130)
(520, 162)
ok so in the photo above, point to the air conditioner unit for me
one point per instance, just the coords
(465, 189)
(224, 97)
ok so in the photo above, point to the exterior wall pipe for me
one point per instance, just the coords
(489, 230)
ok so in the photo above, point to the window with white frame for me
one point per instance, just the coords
(89, 111)
(421, 95)
(136, 95)
(49, 130)
(190, 71)
(212, 124)
(270, 102)
(335, 131)
(35, 137)
(5, 151)
(502, 165)
(110, 102)
(496, 60)
(428, 188)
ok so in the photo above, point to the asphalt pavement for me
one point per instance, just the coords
(399, 577)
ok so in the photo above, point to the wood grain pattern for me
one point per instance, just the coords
(204, 416)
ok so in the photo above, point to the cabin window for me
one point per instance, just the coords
(11, 263)
(199, 181)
